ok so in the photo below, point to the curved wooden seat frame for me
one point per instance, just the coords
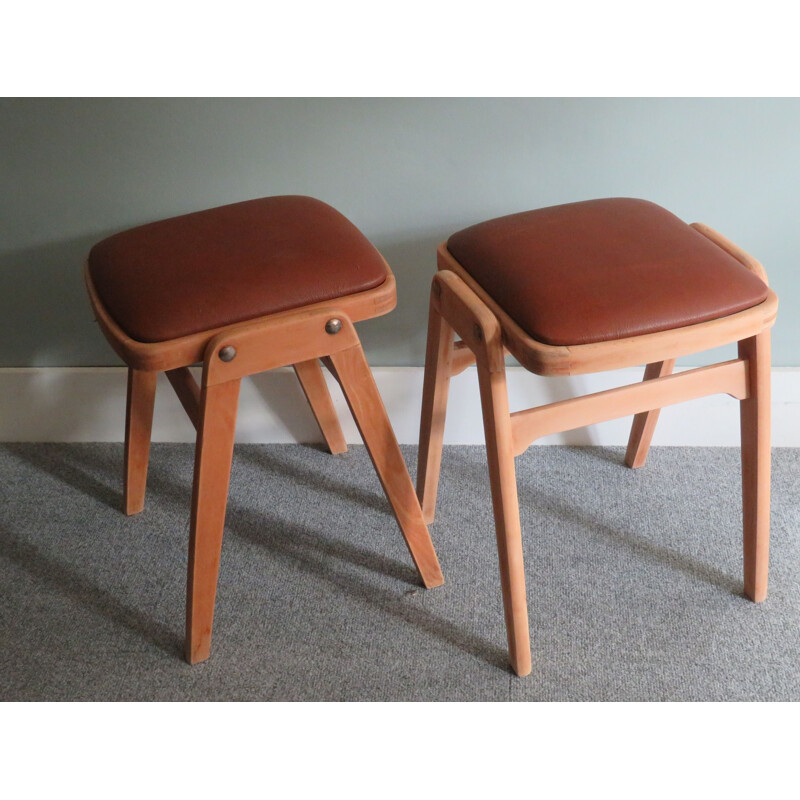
(298, 337)
(460, 306)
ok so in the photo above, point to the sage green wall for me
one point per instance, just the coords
(406, 171)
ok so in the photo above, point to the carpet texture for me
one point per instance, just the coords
(634, 580)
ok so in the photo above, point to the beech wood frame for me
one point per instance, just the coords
(297, 337)
(459, 305)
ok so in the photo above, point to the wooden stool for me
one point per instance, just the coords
(587, 287)
(242, 289)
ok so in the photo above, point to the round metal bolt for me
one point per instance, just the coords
(477, 332)
(333, 326)
(227, 353)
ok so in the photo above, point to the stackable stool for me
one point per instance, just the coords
(242, 289)
(587, 287)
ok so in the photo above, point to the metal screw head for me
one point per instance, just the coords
(227, 353)
(333, 326)
(477, 332)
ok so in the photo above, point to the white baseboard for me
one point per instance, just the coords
(81, 404)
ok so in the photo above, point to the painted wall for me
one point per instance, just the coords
(407, 171)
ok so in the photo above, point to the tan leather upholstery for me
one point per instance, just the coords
(600, 270)
(229, 264)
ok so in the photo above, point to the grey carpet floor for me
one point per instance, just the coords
(634, 581)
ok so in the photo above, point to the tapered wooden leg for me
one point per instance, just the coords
(309, 373)
(500, 454)
(438, 360)
(756, 457)
(212, 467)
(368, 410)
(138, 425)
(644, 424)
(188, 392)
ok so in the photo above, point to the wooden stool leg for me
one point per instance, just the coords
(438, 360)
(138, 425)
(367, 407)
(212, 467)
(756, 456)
(309, 373)
(187, 391)
(644, 424)
(499, 451)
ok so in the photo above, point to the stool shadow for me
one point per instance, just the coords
(306, 551)
(611, 455)
(313, 553)
(77, 588)
(262, 457)
(285, 536)
(76, 473)
(642, 548)
(78, 465)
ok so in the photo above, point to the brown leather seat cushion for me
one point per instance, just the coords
(213, 268)
(603, 269)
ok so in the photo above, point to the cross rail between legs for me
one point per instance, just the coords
(729, 377)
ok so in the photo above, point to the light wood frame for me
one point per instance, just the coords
(460, 306)
(298, 337)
